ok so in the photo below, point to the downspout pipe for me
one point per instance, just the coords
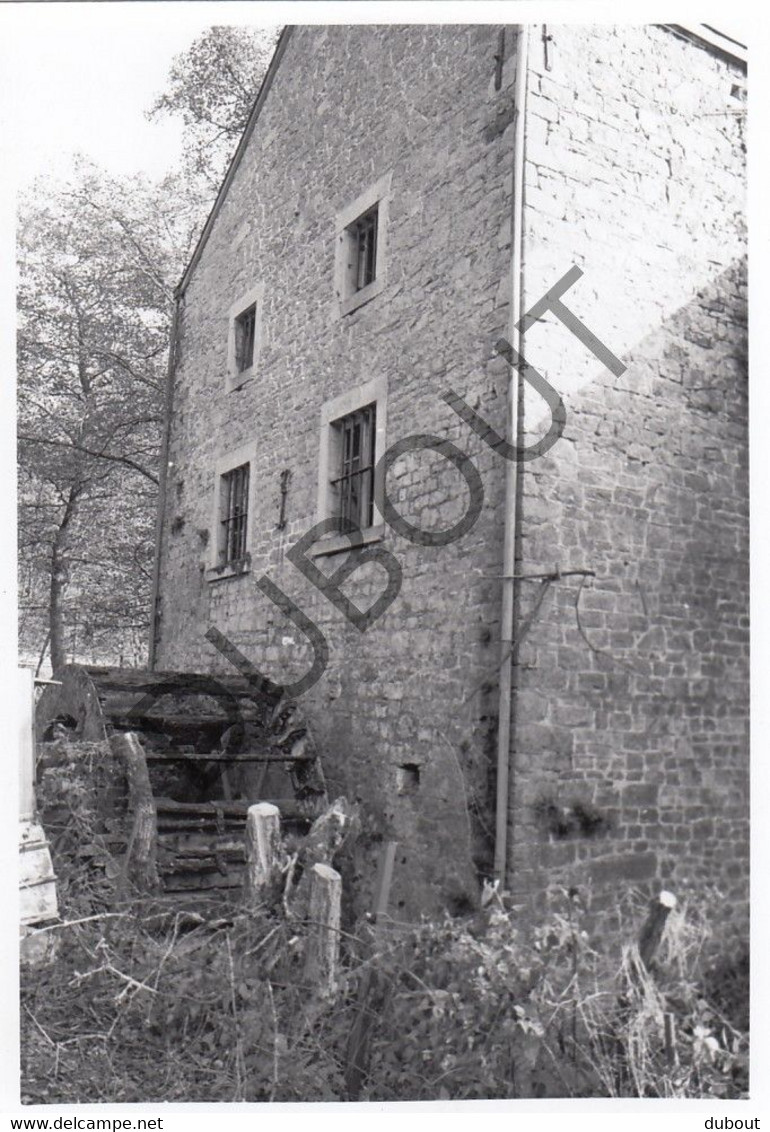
(161, 512)
(511, 518)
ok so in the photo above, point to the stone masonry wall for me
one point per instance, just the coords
(349, 105)
(629, 742)
(631, 745)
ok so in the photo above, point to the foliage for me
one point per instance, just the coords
(158, 1005)
(212, 87)
(98, 258)
(155, 999)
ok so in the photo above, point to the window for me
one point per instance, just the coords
(365, 242)
(244, 337)
(361, 245)
(232, 515)
(245, 333)
(353, 486)
(353, 430)
(235, 513)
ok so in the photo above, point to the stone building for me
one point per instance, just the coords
(401, 197)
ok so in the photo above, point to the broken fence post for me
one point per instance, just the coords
(263, 850)
(141, 853)
(652, 931)
(323, 944)
(359, 1039)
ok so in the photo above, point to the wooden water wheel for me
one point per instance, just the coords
(213, 745)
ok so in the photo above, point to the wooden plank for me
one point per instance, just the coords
(25, 693)
(384, 879)
(198, 883)
(35, 865)
(142, 846)
(220, 757)
(126, 720)
(197, 809)
(169, 683)
(225, 853)
(37, 881)
(38, 903)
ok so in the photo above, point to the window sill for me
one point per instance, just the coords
(231, 570)
(365, 295)
(340, 544)
(236, 381)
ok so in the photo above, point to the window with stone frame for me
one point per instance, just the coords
(360, 264)
(234, 515)
(352, 444)
(245, 338)
(352, 482)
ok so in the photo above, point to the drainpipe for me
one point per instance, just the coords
(511, 466)
(160, 516)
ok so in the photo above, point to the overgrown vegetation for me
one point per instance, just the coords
(150, 1005)
(149, 1001)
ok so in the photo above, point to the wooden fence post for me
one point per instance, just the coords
(357, 1059)
(652, 931)
(263, 846)
(141, 853)
(323, 943)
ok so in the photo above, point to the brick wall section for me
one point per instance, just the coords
(349, 105)
(631, 764)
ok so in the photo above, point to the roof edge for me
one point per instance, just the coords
(715, 41)
(235, 161)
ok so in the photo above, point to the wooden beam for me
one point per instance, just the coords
(220, 757)
(263, 851)
(652, 930)
(323, 940)
(26, 704)
(141, 855)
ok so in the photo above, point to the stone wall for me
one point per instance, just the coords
(630, 735)
(631, 745)
(347, 107)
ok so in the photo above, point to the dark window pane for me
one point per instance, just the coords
(366, 249)
(245, 336)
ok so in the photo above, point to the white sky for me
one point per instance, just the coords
(81, 80)
(78, 77)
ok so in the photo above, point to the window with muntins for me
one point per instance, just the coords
(235, 513)
(353, 485)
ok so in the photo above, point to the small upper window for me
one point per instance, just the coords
(234, 502)
(353, 482)
(245, 337)
(365, 248)
(361, 244)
